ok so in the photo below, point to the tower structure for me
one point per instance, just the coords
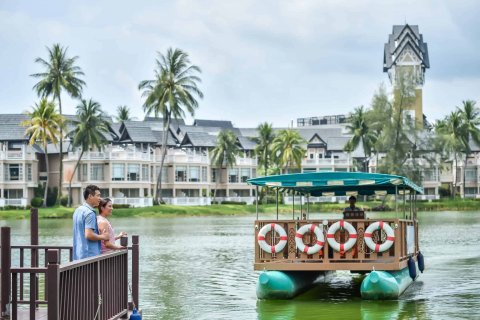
(406, 56)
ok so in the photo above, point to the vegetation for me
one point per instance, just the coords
(123, 114)
(362, 134)
(263, 150)
(288, 149)
(60, 74)
(172, 92)
(91, 127)
(224, 154)
(44, 127)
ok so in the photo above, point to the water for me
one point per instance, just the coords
(202, 268)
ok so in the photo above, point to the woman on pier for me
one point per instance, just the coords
(105, 210)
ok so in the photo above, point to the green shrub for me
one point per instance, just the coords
(52, 194)
(64, 201)
(234, 202)
(121, 206)
(36, 202)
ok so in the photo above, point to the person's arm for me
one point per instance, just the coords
(90, 224)
(121, 234)
(107, 243)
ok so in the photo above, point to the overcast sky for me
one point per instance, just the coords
(270, 61)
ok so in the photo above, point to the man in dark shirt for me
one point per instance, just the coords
(352, 206)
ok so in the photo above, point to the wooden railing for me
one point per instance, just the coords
(359, 258)
(70, 290)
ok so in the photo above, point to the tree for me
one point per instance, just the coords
(224, 154)
(263, 150)
(451, 136)
(60, 74)
(470, 117)
(172, 93)
(89, 132)
(44, 127)
(288, 150)
(123, 114)
(361, 134)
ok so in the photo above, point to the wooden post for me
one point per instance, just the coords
(5, 276)
(53, 284)
(135, 270)
(256, 200)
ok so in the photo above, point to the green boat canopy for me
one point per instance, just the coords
(338, 183)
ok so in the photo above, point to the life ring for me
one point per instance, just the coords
(264, 245)
(352, 236)
(375, 246)
(299, 239)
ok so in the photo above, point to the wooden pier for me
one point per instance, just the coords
(91, 288)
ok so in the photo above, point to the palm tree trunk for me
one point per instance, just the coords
(158, 191)
(455, 180)
(71, 178)
(216, 184)
(60, 179)
(45, 192)
(464, 174)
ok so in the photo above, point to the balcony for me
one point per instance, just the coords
(186, 158)
(246, 161)
(21, 202)
(189, 201)
(247, 200)
(16, 155)
(134, 202)
(112, 155)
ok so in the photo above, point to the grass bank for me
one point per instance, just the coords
(225, 210)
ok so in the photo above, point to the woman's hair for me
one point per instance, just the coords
(103, 204)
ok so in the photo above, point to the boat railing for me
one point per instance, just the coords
(360, 257)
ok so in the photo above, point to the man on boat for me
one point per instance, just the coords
(352, 200)
(86, 237)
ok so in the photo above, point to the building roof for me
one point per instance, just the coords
(246, 143)
(213, 123)
(199, 139)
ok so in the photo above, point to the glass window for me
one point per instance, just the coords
(13, 193)
(245, 174)
(96, 172)
(471, 174)
(29, 172)
(133, 172)
(214, 174)
(118, 172)
(14, 172)
(254, 173)
(181, 173)
(144, 172)
(233, 175)
(194, 174)
(204, 174)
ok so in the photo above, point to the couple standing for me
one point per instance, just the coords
(88, 241)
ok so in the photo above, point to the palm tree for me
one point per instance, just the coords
(89, 132)
(470, 116)
(361, 134)
(123, 114)
(60, 73)
(451, 137)
(224, 154)
(263, 150)
(44, 127)
(172, 93)
(287, 149)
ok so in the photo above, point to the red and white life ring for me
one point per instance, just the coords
(352, 236)
(375, 246)
(264, 245)
(299, 239)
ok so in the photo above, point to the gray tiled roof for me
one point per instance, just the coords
(404, 40)
(171, 141)
(9, 132)
(199, 139)
(213, 123)
(138, 131)
(246, 143)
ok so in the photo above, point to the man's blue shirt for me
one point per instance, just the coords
(84, 217)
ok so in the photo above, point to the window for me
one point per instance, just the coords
(82, 172)
(14, 172)
(13, 193)
(144, 172)
(245, 174)
(471, 174)
(126, 193)
(254, 173)
(214, 175)
(430, 175)
(181, 173)
(204, 174)
(233, 175)
(96, 172)
(194, 174)
(133, 172)
(164, 174)
(118, 172)
(29, 172)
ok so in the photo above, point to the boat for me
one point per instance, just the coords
(292, 253)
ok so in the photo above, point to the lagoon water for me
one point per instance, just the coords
(202, 268)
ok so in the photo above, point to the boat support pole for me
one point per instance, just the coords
(293, 205)
(277, 203)
(301, 205)
(308, 206)
(396, 203)
(404, 203)
(256, 202)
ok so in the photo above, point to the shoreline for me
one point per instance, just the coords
(233, 209)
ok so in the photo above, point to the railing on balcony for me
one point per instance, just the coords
(20, 202)
(246, 161)
(16, 155)
(247, 200)
(339, 199)
(186, 158)
(189, 201)
(112, 155)
(134, 202)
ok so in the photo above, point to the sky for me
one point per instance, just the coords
(269, 60)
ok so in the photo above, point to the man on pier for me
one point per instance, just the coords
(86, 236)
